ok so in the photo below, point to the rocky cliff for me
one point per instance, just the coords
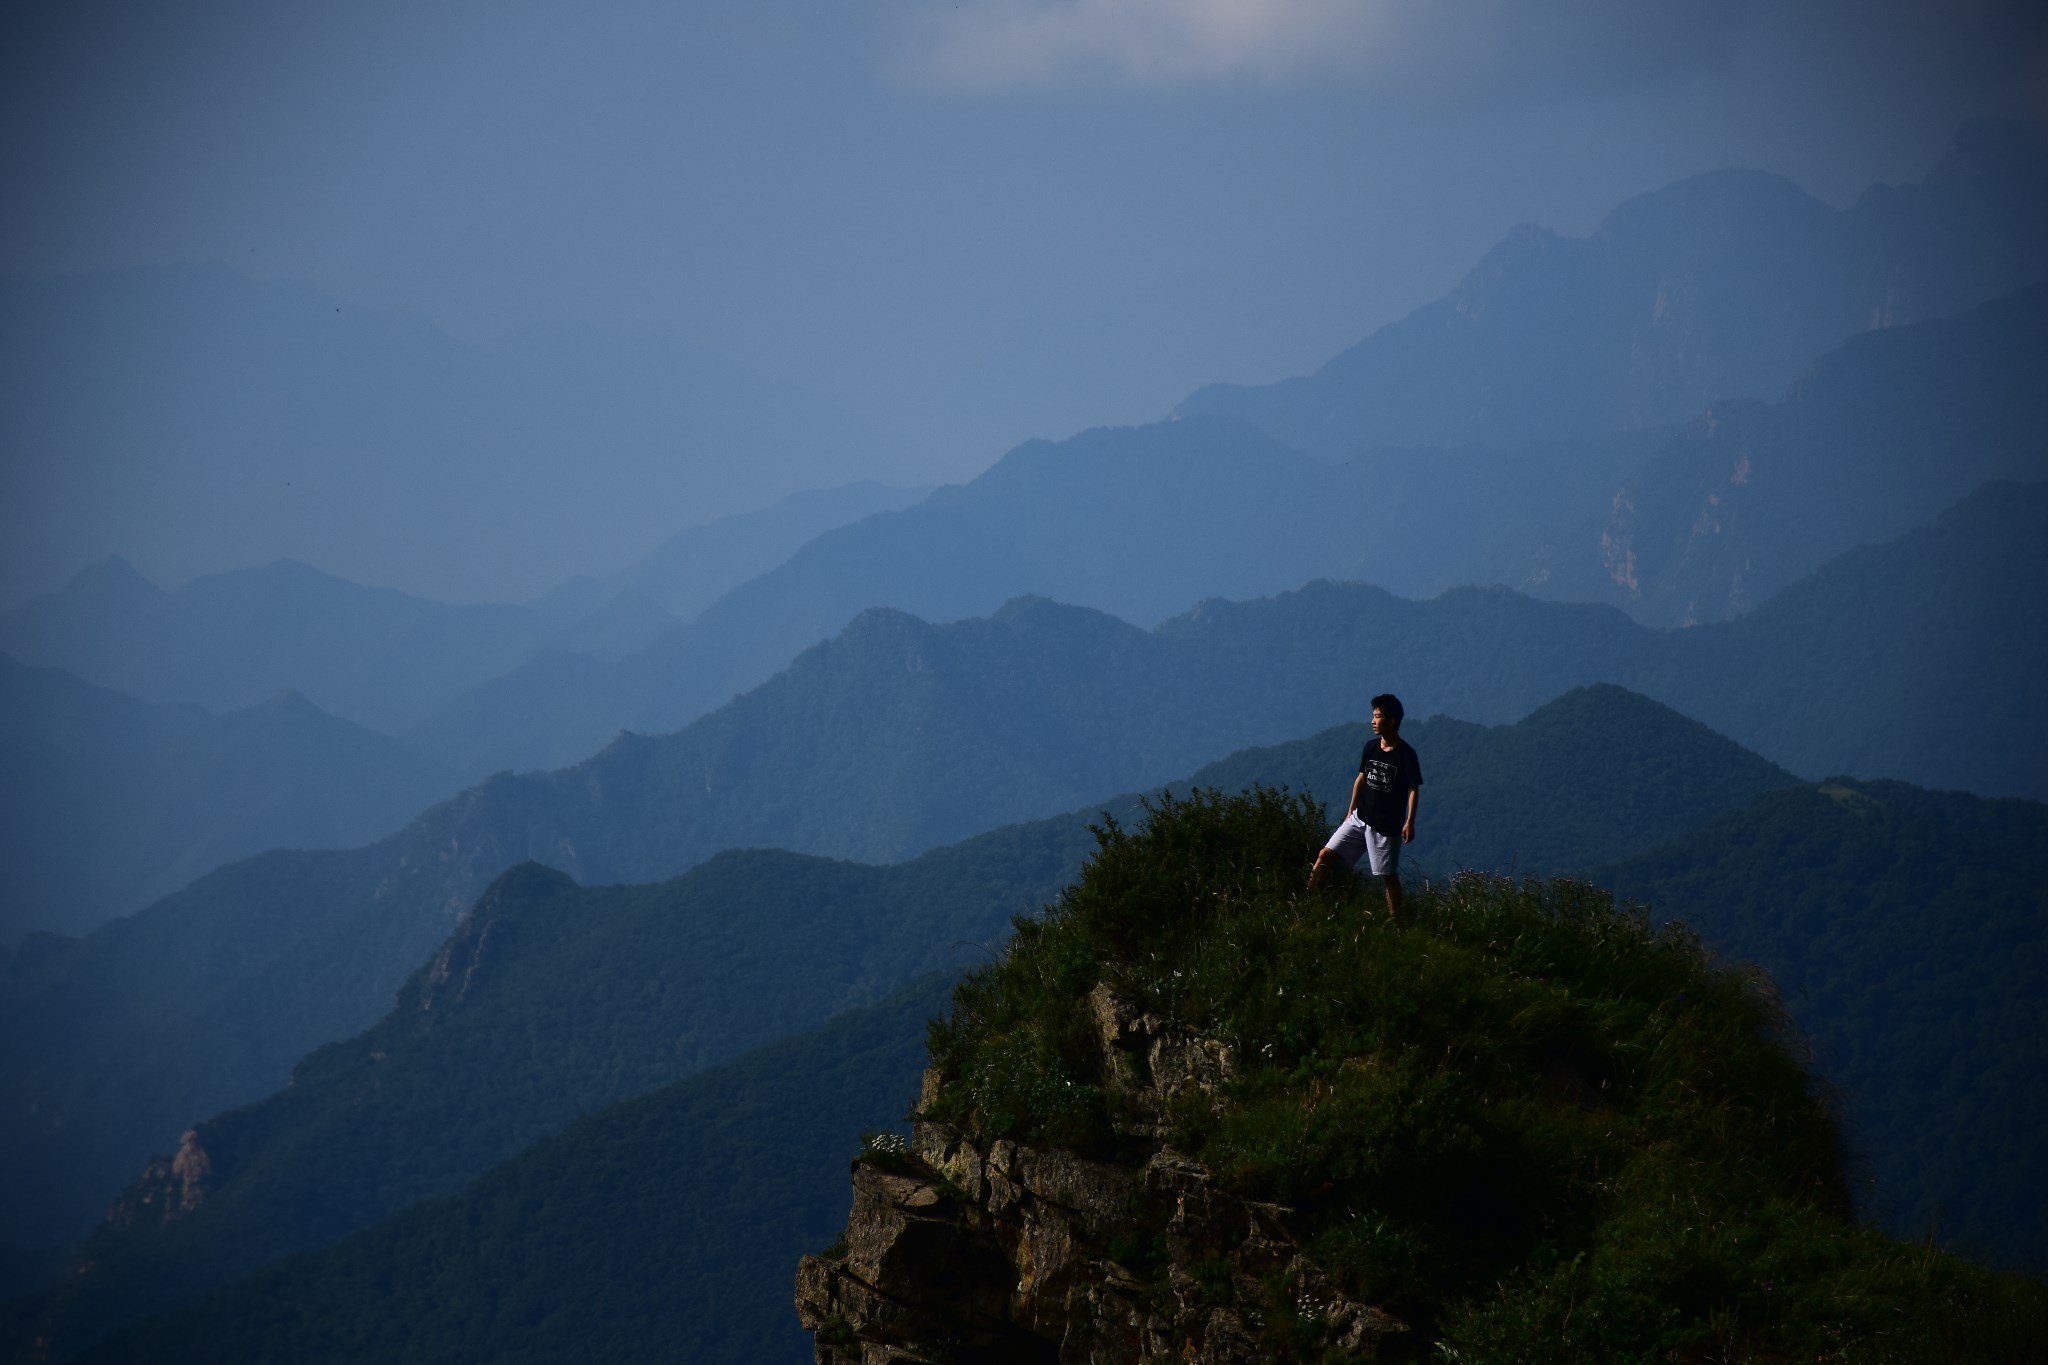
(1008, 1252)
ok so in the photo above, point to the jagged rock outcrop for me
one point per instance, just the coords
(168, 1188)
(1012, 1254)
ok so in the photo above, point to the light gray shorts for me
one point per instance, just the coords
(1355, 839)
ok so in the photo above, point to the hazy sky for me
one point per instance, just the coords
(971, 223)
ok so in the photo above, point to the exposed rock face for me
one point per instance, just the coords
(168, 1188)
(1017, 1255)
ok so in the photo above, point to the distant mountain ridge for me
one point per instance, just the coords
(1874, 436)
(109, 803)
(1706, 523)
(1135, 522)
(1118, 519)
(1723, 286)
(107, 823)
(375, 656)
(899, 736)
(697, 565)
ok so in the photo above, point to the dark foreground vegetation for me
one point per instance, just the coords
(1522, 1119)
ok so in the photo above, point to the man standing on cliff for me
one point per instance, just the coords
(1384, 796)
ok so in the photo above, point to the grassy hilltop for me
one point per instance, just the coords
(1522, 1120)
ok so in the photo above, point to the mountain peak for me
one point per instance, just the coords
(113, 579)
(1710, 205)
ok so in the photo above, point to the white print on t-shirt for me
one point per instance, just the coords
(1380, 774)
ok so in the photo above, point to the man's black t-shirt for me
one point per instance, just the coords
(1389, 777)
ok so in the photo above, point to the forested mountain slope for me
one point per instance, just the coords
(551, 1000)
(282, 1161)
(664, 1226)
(748, 1159)
(1907, 931)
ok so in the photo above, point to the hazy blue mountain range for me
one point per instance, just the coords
(1119, 520)
(1752, 496)
(107, 823)
(1140, 521)
(1818, 884)
(895, 737)
(384, 658)
(664, 1225)
(551, 999)
(298, 419)
(109, 803)
(698, 564)
(1137, 522)
(1723, 286)
(899, 736)
(375, 656)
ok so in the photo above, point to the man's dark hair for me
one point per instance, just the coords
(1389, 705)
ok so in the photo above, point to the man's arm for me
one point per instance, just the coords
(1357, 787)
(1414, 803)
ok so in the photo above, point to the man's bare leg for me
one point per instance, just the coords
(1393, 882)
(1321, 871)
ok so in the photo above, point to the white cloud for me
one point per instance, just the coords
(1013, 43)
(1445, 51)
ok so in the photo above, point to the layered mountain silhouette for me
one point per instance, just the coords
(899, 736)
(1651, 421)
(375, 656)
(550, 999)
(1723, 286)
(1755, 282)
(383, 658)
(1810, 881)
(1137, 522)
(112, 803)
(121, 801)
(697, 565)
